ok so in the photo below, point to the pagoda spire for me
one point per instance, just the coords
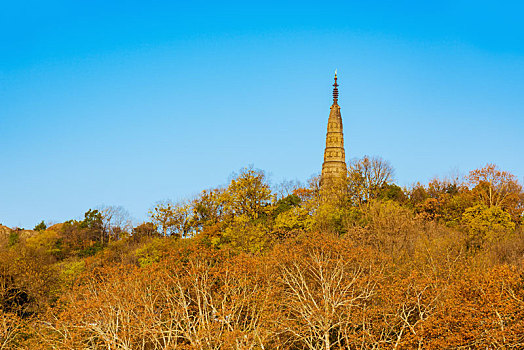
(335, 90)
(334, 165)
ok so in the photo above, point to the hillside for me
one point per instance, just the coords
(360, 263)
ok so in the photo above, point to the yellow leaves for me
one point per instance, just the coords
(249, 193)
(70, 270)
(148, 254)
(388, 216)
(246, 235)
(172, 219)
(296, 218)
(45, 241)
(210, 208)
(487, 223)
(302, 272)
(247, 197)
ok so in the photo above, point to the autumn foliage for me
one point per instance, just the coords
(364, 264)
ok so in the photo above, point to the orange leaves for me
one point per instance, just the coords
(314, 291)
(494, 187)
(11, 330)
(482, 309)
(375, 276)
(196, 298)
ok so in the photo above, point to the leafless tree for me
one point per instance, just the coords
(286, 188)
(116, 221)
(366, 177)
(216, 308)
(323, 294)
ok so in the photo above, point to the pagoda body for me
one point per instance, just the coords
(334, 166)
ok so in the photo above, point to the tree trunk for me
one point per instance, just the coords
(327, 345)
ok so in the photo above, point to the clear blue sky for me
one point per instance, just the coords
(131, 102)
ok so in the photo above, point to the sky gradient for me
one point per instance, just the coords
(128, 103)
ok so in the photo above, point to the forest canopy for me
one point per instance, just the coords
(358, 264)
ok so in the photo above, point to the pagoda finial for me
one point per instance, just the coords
(335, 90)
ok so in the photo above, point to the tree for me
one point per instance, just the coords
(145, 229)
(41, 226)
(487, 223)
(82, 237)
(182, 220)
(209, 208)
(367, 176)
(442, 200)
(11, 329)
(417, 194)
(249, 193)
(172, 219)
(294, 219)
(325, 286)
(208, 302)
(116, 221)
(162, 216)
(392, 192)
(287, 187)
(286, 203)
(438, 188)
(494, 187)
(93, 222)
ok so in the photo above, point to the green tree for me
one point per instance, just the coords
(289, 202)
(392, 192)
(41, 226)
(93, 221)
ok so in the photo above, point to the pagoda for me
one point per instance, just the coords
(334, 166)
